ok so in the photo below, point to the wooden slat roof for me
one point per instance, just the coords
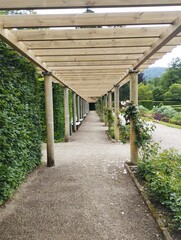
(91, 60)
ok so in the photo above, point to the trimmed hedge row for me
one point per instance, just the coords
(149, 104)
(19, 120)
(22, 118)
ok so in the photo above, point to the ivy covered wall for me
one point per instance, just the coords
(19, 120)
(22, 118)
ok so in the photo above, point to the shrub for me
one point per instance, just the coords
(110, 118)
(161, 171)
(176, 119)
(124, 131)
(147, 104)
(167, 111)
(142, 109)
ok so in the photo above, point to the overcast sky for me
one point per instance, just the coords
(165, 61)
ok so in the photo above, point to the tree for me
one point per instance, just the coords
(144, 92)
(157, 94)
(172, 75)
(174, 93)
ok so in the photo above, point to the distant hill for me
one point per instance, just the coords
(153, 72)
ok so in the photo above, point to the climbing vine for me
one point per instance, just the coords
(143, 129)
(19, 120)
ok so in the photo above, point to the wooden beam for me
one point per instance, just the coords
(94, 63)
(157, 47)
(88, 51)
(165, 37)
(91, 67)
(61, 44)
(89, 19)
(12, 40)
(90, 58)
(46, 4)
(87, 33)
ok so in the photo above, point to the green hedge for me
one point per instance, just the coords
(149, 104)
(19, 120)
(58, 109)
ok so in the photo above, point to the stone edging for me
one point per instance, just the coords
(163, 229)
(110, 138)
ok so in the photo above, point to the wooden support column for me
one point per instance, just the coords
(116, 112)
(81, 113)
(134, 99)
(74, 105)
(49, 118)
(83, 107)
(87, 107)
(110, 100)
(106, 106)
(78, 109)
(66, 112)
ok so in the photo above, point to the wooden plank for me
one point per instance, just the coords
(91, 80)
(54, 44)
(47, 4)
(156, 47)
(94, 63)
(96, 33)
(88, 51)
(91, 67)
(105, 58)
(89, 19)
(166, 36)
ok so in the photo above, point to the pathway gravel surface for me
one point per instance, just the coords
(88, 195)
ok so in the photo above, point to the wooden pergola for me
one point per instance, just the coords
(93, 57)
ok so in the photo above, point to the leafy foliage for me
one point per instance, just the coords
(143, 129)
(161, 171)
(144, 92)
(58, 109)
(19, 120)
(167, 87)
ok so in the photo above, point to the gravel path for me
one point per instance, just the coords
(168, 137)
(87, 196)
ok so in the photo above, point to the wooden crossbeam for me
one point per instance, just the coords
(165, 37)
(47, 4)
(89, 19)
(88, 51)
(94, 63)
(12, 40)
(91, 67)
(125, 58)
(88, 33)
(54, 44)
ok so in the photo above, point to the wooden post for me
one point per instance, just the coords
(66, 112)
(87, 107)
(105, 110)
(78, 109)
(116, 112)
(49, 118)
(81, 109)
(74, 112)
(110, 100)
(134, 99)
